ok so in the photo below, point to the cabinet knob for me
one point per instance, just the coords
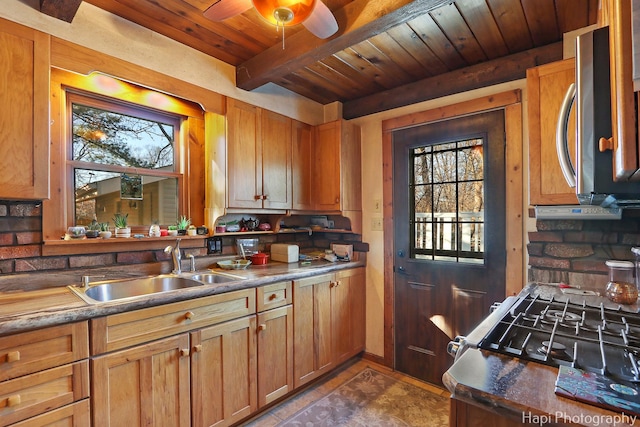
(189, 315)
(605, 144)
(197, 348)
(13, 356)
(333, 284)
(184, 352)
(272, 297)
(262, 327)
(265, 197)
(13, 400)
(337, 199)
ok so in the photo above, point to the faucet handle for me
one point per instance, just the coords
(87, 279)
(192, 261)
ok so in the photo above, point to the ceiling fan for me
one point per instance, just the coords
(313, 14)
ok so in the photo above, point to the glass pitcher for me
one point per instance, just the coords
(621, 288)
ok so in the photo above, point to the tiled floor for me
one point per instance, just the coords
(307, 396)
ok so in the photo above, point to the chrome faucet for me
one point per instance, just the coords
(175, 254)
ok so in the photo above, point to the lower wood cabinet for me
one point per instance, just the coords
(43, 371)
(146, 385)
(329, 322)
(223, 372)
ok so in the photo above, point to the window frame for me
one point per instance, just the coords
(58, 212)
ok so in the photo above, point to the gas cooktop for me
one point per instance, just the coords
(596, 339)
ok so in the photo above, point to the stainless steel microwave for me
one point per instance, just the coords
(592, 175)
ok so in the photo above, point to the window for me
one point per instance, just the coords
(447, 188)
(122, 159)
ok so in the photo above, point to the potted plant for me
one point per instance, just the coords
(105, 233)
(182, 224)
(172, 230)
(93, 230)
(191, 230)
(120, 222)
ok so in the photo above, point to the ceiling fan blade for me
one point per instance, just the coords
(224, 9)
(321, 22)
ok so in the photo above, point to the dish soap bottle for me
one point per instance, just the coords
(621, 288)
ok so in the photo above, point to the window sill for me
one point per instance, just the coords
(117, 244)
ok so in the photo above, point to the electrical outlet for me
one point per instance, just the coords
(377, 205)
(376, 224)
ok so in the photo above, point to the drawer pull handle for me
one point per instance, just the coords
(184, 352)
(272, 297)
(13, 356)
(13, 400)
(189, 315)
(197, 348)
(262, 327)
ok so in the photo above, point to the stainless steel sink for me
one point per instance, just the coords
(120, 289)
(211, 278)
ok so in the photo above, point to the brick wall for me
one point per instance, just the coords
(575, 251)
(21, 251)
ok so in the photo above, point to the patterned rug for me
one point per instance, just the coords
(374, 399)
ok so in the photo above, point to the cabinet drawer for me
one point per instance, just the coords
(34, 394)
(34, 351)
(272, 296)
(135, 327)
(76, 414)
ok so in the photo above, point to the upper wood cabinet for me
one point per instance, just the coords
(24, 79)
(336, 167)
(302, 185)
(624, 117)
(258, 158)
(546, 88)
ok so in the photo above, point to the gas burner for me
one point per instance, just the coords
(567, 319)
(558, 350)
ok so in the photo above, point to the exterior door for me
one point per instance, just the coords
(449, 228)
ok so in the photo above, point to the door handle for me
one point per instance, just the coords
(402, 270)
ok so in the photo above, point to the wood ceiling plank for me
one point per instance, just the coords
(478, 17)
(389, 72)
(352, 73)
(541, 18)
(64, 10)
(340, 84)
(457, 31)
(429, 32)
(187, 26)
(302, 87)
(368, 71)
(512, 23)
(357, 21)
(409, 40)
(495, 71)
(572, 14)
(397, 53)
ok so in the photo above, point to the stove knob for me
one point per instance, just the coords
(454, 346)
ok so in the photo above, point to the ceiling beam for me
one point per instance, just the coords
(501, 70)
(357, 21)
(64, 10)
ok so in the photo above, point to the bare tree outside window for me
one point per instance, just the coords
(448, 211)
(110, 141)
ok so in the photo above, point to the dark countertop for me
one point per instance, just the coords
(26, 310)
(523, 390)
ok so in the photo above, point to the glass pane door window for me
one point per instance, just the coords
(447, 188)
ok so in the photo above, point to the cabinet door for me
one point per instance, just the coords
(546, 88)
(275, 133)
(147, 385)
(326, 167)
(224, 372)
(356, 281)
(24, 79)
(312, 341)
(275, 354)
(301, 166)
(244, 156)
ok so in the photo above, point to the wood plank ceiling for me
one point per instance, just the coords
(386, 53)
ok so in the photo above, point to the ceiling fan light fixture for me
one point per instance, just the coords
(284, 12)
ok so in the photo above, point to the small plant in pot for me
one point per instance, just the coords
(105, 233)
(93, 230)
(172, 230)
(120, 221)
(182, 224)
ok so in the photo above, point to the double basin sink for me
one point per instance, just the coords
(112, 290)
